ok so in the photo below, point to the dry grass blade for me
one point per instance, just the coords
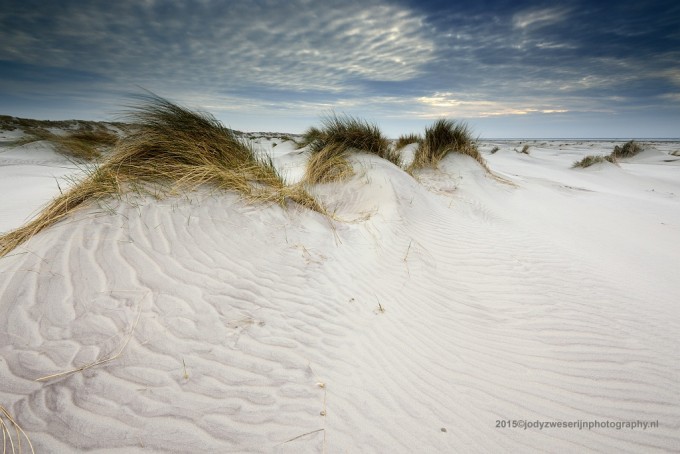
(99, 362)
(7, 434)
(100, 183)
(300, 436)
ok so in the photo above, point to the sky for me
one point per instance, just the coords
(510, 69)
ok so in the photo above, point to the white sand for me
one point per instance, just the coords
(436, 308)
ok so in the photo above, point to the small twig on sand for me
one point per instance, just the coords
(186, 374)
(300, 436)
(381, 308)
(408, 250)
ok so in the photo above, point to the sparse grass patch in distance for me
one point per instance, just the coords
(407, 139)
(442, 138)
(84, 144)
(330, 144)
(495, 150)
(525, 149)
(590, 160)
(311, 138)
(7, 123)
(629, 149)
(172, 149)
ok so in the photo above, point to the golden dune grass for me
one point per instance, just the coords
(173, 149)
(339, 135)
(442, 138)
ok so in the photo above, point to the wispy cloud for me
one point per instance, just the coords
(536, 18)
(236, 44)
(451, 105)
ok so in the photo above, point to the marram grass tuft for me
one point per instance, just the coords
(330, 144)
(442, 138)
(172, 149)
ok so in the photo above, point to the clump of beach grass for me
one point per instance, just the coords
(629, 149)
(494, 150)
(330, 145)
(525, 149)
(407, 139)
(171, 150)
(312, 138)
(330, 163)
(442, 138)
(83, 144)
(590, 160)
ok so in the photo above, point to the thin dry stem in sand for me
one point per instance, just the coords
(184, 366)
(83, 144)
(8, 438)
(331, 144)
(408, 250)
(300, 436)
(442, 138)
(172, 149)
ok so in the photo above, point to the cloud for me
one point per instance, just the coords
(672, 97)
(537, 18)
(450, 105)
(295, 45)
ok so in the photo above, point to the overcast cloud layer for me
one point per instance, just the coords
(512, 69)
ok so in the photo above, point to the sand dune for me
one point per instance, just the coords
(429, 310)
